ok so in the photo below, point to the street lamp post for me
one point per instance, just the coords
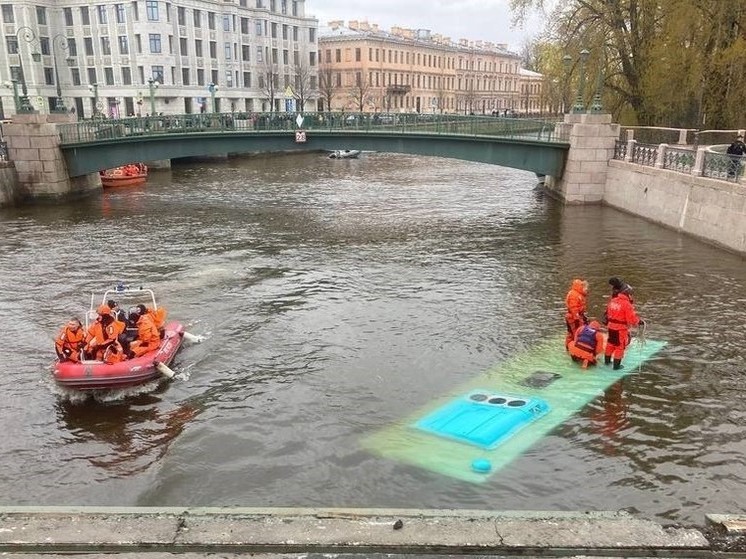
(579, 106)
(212, 88)
(13, 84)
(567, 62)
(152, 86)
(28, 35)
(597, 105)
(94, 88)
(59, 104)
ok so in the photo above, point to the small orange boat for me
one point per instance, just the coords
(133, 174)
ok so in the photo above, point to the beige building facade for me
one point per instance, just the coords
(125, 57)
(363, 68)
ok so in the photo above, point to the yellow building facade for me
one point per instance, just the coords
(363, 68)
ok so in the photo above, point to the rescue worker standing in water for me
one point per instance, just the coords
(620, 316)
(588, 343)
(575, 301)
(70, 341)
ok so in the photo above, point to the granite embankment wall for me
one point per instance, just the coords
(8, 184)
(710, 209)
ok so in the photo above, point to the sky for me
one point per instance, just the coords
(486, 20)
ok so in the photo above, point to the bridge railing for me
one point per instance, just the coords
(710, 162)
(96, 130)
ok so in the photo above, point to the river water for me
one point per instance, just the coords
(336, 297)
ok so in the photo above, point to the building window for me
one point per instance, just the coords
(124, 47)
(185, 76)
(229, 78)
(8, 16)
(211, 20)
(151, 9)
(226, 23)
(197, 19)
(105, 46)
(183, 47)
(245, 53)
(312, 35)
(295, 8)
(88, 46)
(155, 43)
(181, 15)
(284, 32)
(68, 13)
(200, 76)
(312, 58)
(85, 16)
(101, 10)
(156, 72)
(338, 55)
(274, 30)
(119, 13)
(213, 50)
(72, 47)
(244, 26)
(138, 44)
(258, 28)
(49, 76)
(109, 75)
(198, 48)
(15, 73)
(214, 77)
(295, 33)
(259, 55)
(11, 44)
(126, 75)
(227, 51)
(75, 75)
(247, 79)
(41, 15)
(92, 76)
(135, 11)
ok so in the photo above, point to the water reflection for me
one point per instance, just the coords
(124, 438)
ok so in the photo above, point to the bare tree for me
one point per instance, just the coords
(303, 88)
(327, 85)
(360, 93)
(269, 81)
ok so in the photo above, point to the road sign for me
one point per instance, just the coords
(300, 136)
(299, 120)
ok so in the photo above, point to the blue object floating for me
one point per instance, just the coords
(481, 465)
(483, 418)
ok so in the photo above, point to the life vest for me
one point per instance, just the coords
(587, 339)
(70, 340)
(114, 354)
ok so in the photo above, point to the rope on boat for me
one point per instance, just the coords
(641, 341)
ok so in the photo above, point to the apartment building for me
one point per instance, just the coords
(364, 68)
(139, 57)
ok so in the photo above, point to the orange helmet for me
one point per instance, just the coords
(103, 309)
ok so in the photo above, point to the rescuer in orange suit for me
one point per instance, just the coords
(620, 316)
(588, 343)
(148, 338)
(575, 301)
(158, 315)
(101, 333)
(70, 341)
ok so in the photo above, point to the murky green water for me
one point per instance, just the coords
(339, 296)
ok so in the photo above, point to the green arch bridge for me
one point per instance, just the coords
(532, 145)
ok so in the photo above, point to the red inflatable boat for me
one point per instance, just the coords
(96, 375)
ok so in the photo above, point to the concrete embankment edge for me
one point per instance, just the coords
(176, 530)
